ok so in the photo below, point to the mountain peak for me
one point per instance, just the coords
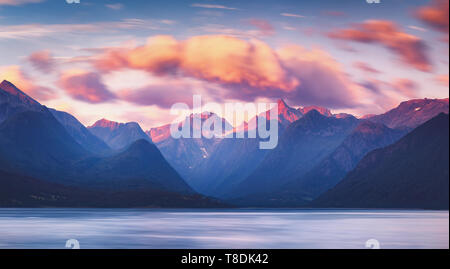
(313, 113)
(286, 114)
(281, 104)
(412, 113)
(322, 110)
(141, 145)
(104, 123)
(11, 89)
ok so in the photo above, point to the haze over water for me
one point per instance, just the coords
(131, 228)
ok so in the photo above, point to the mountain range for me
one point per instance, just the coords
(118, 135)
(36, 147)
(49, 158)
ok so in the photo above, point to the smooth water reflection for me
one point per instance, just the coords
(134, 228)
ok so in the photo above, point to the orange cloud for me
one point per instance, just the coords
(411, 49)
(443, 80)
(435, 15)
(243, 70)
(15, 75)
(85, 86)
(222, 59)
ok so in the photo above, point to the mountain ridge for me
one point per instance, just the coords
(412, 173)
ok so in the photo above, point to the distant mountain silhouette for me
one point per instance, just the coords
(118, 135)
(412, 113)
(412, 173)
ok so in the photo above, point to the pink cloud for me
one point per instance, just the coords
(406, 87)
(443, 80)
(391, 92)
(384, 96)
(264, 26)
(222, 59)
(85, 86)
(411, 49)
(322, 79)
(18, 2)
(117, 6)
(435, 15)
(245, 70)
(366, 67)
(161, 95)
(42, 60)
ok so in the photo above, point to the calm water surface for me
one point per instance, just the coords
(134, 228)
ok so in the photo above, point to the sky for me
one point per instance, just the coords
(132, 60)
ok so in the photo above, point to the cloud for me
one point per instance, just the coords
(322, 79)
(31, 31)
(366, 67)
(391, 92)
(232, 61)
(25, 83)
(217, 29)
(117, 6)
(213, 6)
(406, 87)
(417, 28)
(42, 60)
(264, 26)
(292, 15)
(443, 80)
(382, 95)
(435, 15)
(18, 2)
(85, 86)
(244, 70)
(334, 13)
(161, 95)
(411, 49)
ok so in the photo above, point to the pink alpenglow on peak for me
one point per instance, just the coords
(324, 111)
(342, 115)
(368, 116)
(159, 134)
(286, 114)
(11, 89)
(104, 123)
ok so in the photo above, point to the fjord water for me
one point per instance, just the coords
(135, 228)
